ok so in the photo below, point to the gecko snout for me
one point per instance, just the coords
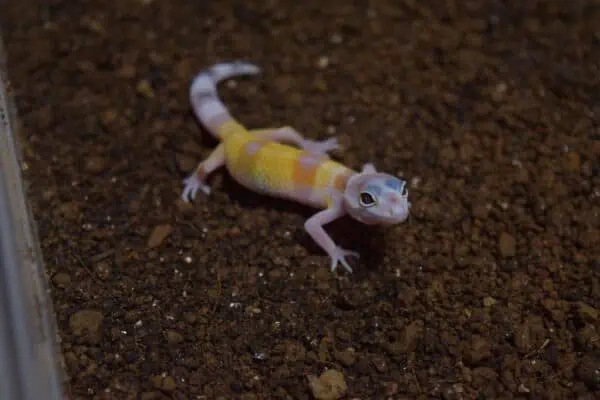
(398, 212)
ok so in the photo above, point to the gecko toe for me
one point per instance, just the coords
(205, 189)
(192, 185)
(331, 143)
(346, 265)
(321, 147)
(188, 194)
(339, 256)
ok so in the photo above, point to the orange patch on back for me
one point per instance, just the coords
(305, 170)
(341, 180)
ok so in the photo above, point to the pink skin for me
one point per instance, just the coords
(314, 227)
(390, 207)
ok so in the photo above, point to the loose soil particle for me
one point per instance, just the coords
(329, 386)
(490, 109)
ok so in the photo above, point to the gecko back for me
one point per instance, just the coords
(279, 170)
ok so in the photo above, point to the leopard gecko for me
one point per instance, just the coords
(260, 160)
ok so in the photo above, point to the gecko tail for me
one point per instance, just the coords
(207, 105)
(224, 71)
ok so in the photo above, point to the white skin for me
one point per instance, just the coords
(370, 197)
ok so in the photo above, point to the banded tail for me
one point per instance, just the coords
(205, 100)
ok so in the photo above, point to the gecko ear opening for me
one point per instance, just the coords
(368, 169)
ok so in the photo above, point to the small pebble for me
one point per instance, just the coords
(159, 234)
(166, 384)
(347, 357)
(62, 280)
(507, 245)
(174, 337)
(331, 385)
(95, 165)
(87, 323)
(323, 62)
(143, 87)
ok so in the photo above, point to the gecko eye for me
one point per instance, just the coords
(367, 199)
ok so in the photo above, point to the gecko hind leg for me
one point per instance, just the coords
(290, 135)
(197, 180)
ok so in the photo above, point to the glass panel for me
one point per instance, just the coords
(29, 368)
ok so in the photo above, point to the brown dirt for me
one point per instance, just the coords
(492, 290)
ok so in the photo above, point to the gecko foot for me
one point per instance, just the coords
(339, 256)
(192, 185)
(320, 147)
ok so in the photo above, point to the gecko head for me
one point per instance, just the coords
(375, 198)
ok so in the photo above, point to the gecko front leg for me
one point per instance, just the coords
(290, 135)
(314, 227)
(197, 180)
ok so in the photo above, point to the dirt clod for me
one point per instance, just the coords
(62, 280)
(294, 351)
(530, 334)
(330, 385)
(507, 245)
(479, 350)
(164, 383)
(174, 337)
(347, 357)
(159, 234)
(87, 324)
(95, 164)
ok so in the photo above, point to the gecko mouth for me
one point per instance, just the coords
(396, 215)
